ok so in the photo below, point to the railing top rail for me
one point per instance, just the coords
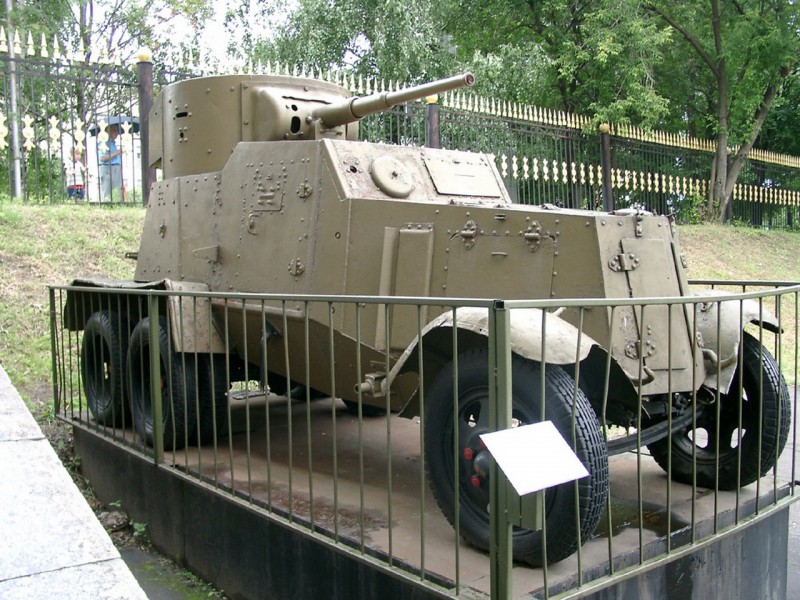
(744, 282)
(553, 303)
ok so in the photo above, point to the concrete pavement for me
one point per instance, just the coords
(51, 543)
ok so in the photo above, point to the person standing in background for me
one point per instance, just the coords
(76, 176)
(111, 167)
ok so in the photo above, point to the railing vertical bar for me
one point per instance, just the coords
(264, 379)
(387, 365)
(760, 400)
(739, 414)
(781, 416)
(184, 383)
(53, 354)
(796, 372)
(360, 399)
(309, 430)
(334, 442)
(606, 382)
(694, 428)
(669, 422)
(456, 454)
(422, 400)
(501, 551)
(247, 405)
(574, 442)
(717, 418)
(227, 329)
(155, 379)
(543, 417)
(639, 400)
(289, 422)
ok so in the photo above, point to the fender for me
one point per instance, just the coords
(189, 334)
(720, 345)
(565, 344)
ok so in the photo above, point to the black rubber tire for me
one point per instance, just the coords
(563, 536)
(212, 409)
(103, 350)
(178, 387)
(757, 365)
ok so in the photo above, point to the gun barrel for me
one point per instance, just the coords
(354, 109)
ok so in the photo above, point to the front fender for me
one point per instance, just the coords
(565, 344)
(720, 343)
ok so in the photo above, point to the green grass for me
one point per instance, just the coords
(51, 245)
(726, 252)
(44, 245)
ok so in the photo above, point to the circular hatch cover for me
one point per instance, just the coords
(391, 177)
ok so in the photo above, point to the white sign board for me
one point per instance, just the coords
(534, 457)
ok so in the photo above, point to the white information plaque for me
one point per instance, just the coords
(534, 457)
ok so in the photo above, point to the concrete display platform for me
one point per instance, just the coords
(51, 544)
(318, 486)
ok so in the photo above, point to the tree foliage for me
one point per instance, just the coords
(743, 53)
(390, 38)
(118, 26)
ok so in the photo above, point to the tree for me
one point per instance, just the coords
(596, 59)
(781, 130)
(749, 48)
(385, 38)
(117, 26)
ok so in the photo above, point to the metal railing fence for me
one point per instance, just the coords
(282, 401)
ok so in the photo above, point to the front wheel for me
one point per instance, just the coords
(565, 532)
(177, 385)
(721, 444)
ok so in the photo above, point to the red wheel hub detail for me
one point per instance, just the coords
(468, 454)
(475, 481)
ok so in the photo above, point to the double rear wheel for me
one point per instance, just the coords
(115, 369)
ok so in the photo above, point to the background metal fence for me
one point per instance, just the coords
(53, 103)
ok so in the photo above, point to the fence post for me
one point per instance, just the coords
(500, 547)
(16, 152)
(432, 139)
(144, 72)
(605, 166)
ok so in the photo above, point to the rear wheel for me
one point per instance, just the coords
(562, 514)
(105, 341)
(177, 385)
(717, 442)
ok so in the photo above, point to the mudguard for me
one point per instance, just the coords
(191, 326)
(720, 344)
(565, 344)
